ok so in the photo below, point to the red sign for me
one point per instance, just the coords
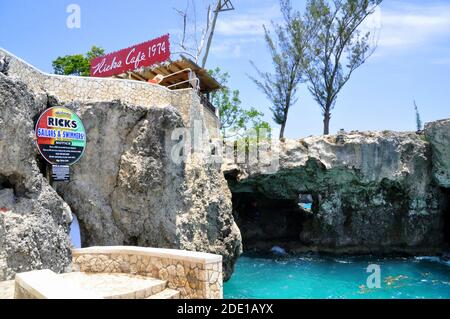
(132, 58)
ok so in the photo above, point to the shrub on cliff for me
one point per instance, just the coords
(77, 64)
(235, 120)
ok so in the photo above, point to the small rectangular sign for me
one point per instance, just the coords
(61, 173)
(132, 58)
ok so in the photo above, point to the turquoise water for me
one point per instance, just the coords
(306, 205)
(319, 276)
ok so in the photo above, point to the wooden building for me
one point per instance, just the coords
(179, 74)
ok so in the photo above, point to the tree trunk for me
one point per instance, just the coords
(326, 121)
(286, 111)
(211, 34)
(283, 125)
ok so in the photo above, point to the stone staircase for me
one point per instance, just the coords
(7, 289)
(122, 286)
(45, 284)
(166, 294)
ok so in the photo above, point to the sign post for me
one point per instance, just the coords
(61, 140)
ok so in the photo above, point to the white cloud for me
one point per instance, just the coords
(400, 26)
(441, 61)
(248, 24)
(242, 26)
(406, 26)
(237, 31)
(234, 47)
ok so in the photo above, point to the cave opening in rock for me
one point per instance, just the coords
(306, 201)
(75, 233)
(42, 165)
(5, 182)
(78, 233)
(14, 182)
(132, 241)
(446, 204)
(267, 222)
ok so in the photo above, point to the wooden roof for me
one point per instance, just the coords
(207, 82)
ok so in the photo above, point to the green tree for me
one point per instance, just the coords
(336, 49)
(418, 120)
(77, 64)
(280, 87)
(234, 119)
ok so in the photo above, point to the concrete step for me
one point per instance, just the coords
(45, 284)
(117, 286)
(166, 294)
(7, 289)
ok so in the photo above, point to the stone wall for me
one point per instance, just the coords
(211, 122)
(196, 275)
(69, 89)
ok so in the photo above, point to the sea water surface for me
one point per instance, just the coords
(324, 276)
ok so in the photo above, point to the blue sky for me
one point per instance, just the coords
(412, 60)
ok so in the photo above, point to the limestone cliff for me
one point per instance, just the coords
(368, 191)
(34, 220)
(126, 190)
(438, 133)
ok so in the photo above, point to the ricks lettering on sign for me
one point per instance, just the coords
(60, 136)
(132, 58)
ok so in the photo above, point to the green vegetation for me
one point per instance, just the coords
(235, 120)
(280, 87)
(337, 48)
(323, 46)
(418, 120)
(77, 64)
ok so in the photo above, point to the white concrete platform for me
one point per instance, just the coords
(166, 294)
(7, 289)
(116, 286)
(45, 284)
(185, 255)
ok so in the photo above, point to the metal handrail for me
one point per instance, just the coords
(192, 76)
(197, 86)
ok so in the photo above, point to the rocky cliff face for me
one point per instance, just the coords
(126, 190)
(438, 133)
(367, 192)
(34, 220)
